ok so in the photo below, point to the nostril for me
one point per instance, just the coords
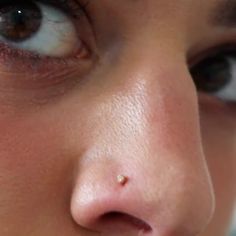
(126, 219)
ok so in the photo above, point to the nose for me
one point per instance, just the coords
(143, 171)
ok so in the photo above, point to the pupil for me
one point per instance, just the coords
(19, 21)
(212, 74)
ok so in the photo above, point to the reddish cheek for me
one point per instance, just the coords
(218, 129)
(217, 122)
(30, 157)
(35, 168)
(219, 135)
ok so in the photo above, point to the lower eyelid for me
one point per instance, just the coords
(36, 73)
(19, 95)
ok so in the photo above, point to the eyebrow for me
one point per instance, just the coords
(224, 14)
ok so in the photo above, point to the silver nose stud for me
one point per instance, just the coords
(122, 180)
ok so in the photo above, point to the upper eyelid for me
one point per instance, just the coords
(72, 8)
(210, 52)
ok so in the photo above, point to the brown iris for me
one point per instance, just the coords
(19, 21)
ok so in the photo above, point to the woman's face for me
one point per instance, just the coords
(143, 89)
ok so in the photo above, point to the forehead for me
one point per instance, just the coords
(185, 23)
(154, 4)
(159, 8)
(212, 12)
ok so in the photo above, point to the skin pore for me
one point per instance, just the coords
(128, 106)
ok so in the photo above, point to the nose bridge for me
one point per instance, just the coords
(149, 124)
(150, 99)
(145, 127)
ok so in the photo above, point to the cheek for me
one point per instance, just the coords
(219, 141)
(32, 167)
(218, 129)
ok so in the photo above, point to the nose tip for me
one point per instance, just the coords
(121, 208)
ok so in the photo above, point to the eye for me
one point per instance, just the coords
(216, 75)
(38, 28)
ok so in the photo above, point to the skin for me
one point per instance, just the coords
(135, 112)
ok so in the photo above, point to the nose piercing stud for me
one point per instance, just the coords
(122, 180)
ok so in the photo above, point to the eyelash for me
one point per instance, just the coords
(224, 47)
(71, 7)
